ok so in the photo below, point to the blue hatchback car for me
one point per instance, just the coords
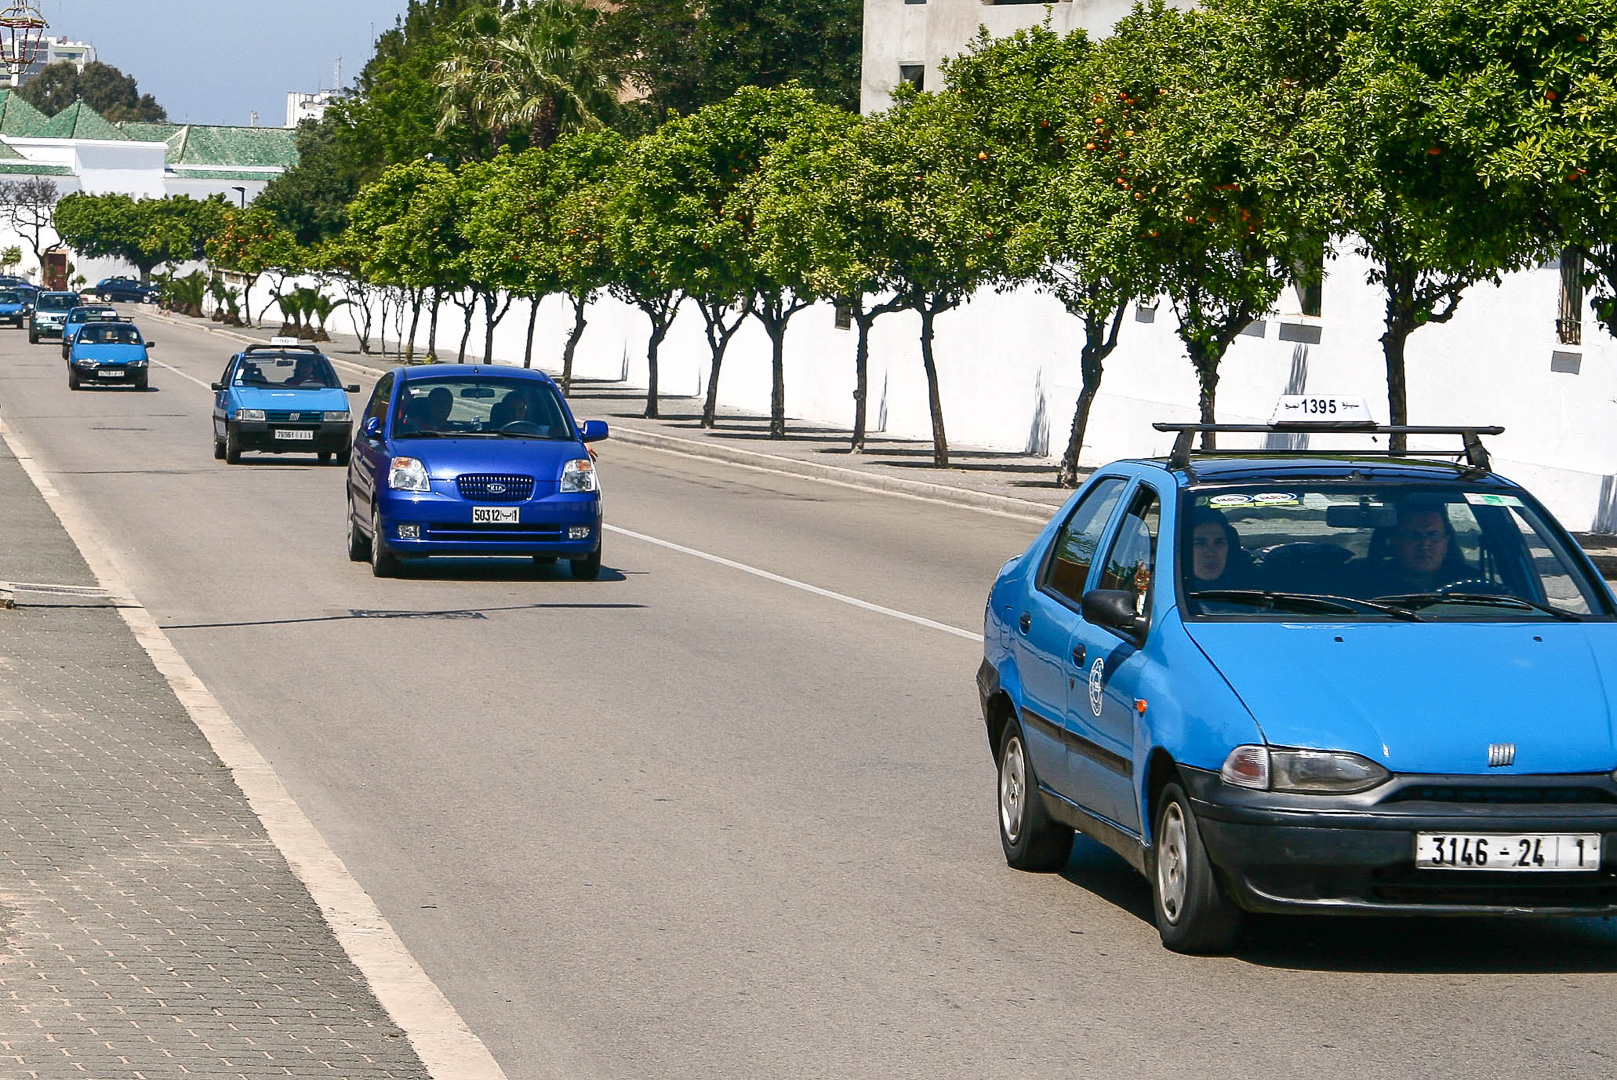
(15, 306)
(460, 459)
(1294, 682)
(107, 354)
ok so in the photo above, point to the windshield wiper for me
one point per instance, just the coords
(1501, 599)
(1304, 601)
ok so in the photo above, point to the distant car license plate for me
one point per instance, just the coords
(294, 434)
(105, 374)
(1509, 851)
(494, 515)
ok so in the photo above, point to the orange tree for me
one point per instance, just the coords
(251, 242)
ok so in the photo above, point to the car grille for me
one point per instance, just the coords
(282, 416)
(493, 487)
(482, 534)
(1406, 885)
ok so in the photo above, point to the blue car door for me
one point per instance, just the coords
(220, 396)
(1042, 634)
(370, 456)
(1103, 715)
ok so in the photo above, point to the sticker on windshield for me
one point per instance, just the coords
(1229, 500)
(1478, 498)
(1275, 498)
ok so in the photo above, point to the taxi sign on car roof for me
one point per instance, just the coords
(285, 341)
(1319, 409)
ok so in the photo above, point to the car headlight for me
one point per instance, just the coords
(84, 363)
(1306, 772)
(137, 363)
(337, 417)
(407, 474)
(249, 414)
(579, 475)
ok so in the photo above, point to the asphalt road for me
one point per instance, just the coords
(688, 821)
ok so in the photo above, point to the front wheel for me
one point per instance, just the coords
(383, 562)
(140, 382)
(344, 456)
(1031, 840)
(588, 568)
(218, 448)
(72, 381)
(232, 446)
(1194, 913)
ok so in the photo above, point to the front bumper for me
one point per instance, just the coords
(1356, 854)
(108, 373)
(45, 330)
(446, 528)
(325, 438)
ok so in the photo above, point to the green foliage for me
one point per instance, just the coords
(101, 86)
(687, 54)
(311, 198)
(408, 220)
(10, 257)
(146, 233)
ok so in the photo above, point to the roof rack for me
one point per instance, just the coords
(1476, 455)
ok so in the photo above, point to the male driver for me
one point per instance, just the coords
(1425, 555)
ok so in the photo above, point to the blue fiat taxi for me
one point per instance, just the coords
(281, 398)
(109, 354)
(1289, 681)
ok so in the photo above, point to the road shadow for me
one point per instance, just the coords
(497, 568)
(356, 614)
(1098, 869)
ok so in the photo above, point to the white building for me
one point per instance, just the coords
(301, 107)
(56, 50)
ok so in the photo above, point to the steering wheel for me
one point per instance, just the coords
(522, 427)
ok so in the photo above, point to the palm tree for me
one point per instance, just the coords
(530, 70)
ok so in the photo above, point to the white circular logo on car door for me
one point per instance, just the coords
(1097, 684)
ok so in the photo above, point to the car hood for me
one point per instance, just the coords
(1428, 697)
(329, 399)
(446, 459)
(122, 354)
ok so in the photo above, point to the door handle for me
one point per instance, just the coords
(1078, 654)
(1025, 622)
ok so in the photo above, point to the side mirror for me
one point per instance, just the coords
(592, 431)
(351, 388)
(373, 429)
(151, 344)
(217, 385)
(1114, 610)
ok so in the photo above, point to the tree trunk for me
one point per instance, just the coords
(1100, 338)
(719, 337)
(1207, 392)
(489, 321)
(466, 335)
(580, 304)
(659, 330)
(861, 376)
(381, 330)
(415, 324)
(432, 324)
(940, 442)
(1400, 286)
(533, 319)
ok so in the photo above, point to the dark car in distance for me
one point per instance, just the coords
(124, 290)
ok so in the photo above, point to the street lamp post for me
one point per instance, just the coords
(22, 37)
(243, 193)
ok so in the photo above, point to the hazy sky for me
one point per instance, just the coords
(216, 61)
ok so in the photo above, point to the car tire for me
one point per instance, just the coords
(232, 446)
(383, 562)
(589, 567)
(33, 338)
(359, 545)
(344, 456)
(324, 457)
(218, 449)
(1032, 841)
(140, 383)
(1194, 912)
(72, 381)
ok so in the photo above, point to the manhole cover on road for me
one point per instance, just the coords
(360, 613)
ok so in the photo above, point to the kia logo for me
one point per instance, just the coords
(496, 489)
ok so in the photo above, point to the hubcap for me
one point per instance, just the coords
(1172, 854)
(1012, 790)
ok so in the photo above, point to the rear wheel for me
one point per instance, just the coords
(383, 562)
(1194, 913)
(1031, 840)
(588, 568)
(232, 446)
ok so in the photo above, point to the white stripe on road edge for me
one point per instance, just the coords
(815, 589)
(446, 1046)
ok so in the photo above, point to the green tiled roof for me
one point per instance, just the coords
(221, 174)
(32, 168)
(17, 116)
(221, 147)
(79, 121)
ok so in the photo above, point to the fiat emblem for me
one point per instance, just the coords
(1501, 754)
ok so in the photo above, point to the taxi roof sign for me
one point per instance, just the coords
(1322, 410)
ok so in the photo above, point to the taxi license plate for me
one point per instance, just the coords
(494, 515)
(294, 434)
(1507, 851)
(104, 374)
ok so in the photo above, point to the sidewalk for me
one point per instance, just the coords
(1017, 484)
(148, 927)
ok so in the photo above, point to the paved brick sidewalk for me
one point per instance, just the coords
(148, 927)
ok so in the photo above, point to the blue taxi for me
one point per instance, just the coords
(79, 316)
(463, 459)
(1288, 681)
(281, 399)
(109, 354)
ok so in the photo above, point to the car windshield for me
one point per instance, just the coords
(308, 371)
(109, 333)
(483, 406)
(57, 301)
(88, 314)
(10, 296)
(1332, 551)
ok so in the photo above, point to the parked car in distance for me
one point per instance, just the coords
(79, 316)
(281, 399)
(108, 353)
(462, 459)
(50, 312)
(1309, 682)
(125, 290)
(15, 306)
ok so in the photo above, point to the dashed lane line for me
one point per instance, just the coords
(447, 1047)
(853, 601)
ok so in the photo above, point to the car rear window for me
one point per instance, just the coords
(1329, 551)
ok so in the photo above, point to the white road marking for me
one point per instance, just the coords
(805, 586)
(206, 386)
(446, 1046)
